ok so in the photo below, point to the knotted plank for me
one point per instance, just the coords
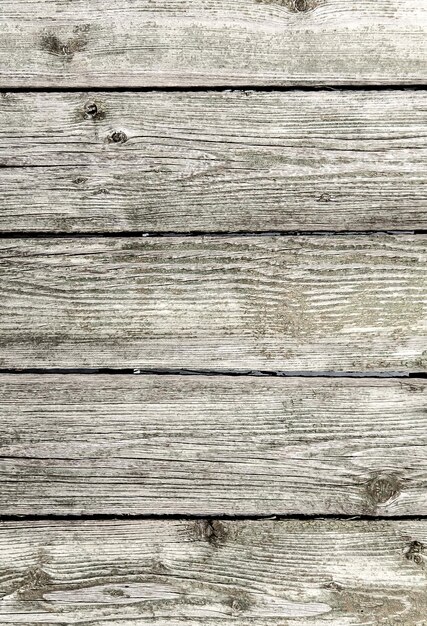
(211, 445)
(213, 161)
(355, 303)
(111, 43)
(182, 573)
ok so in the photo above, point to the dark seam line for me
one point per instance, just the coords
(25, 166)
(219, 88)
(204, 233)
(195, 517)
(209, 372)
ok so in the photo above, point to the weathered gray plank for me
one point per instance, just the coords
(212, 445)
(267, 573)
(209, 42)
(286, 303)
(227, 161)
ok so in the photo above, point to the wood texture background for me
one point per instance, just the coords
(213, 161)
(276, 303)
(265, 573)
(91, 144)
(111, 43)
(212, 445)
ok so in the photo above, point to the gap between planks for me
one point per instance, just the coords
(217, 88)
(202, 233)
(65, 517)
(207, 372)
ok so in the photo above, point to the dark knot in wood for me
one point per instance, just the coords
(211, 531)
(297, 6)
(324, 197)
(382, 488)
(301, 6)
(79, 180)
(118, 136)
(90, 110)
(415, 552)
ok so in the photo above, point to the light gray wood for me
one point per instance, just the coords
(111, 43)
(280, 303)
(213, 161)
(212, 445)
(268, 573)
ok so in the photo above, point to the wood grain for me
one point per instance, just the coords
(280, 303)
(268, 573)
(212, 445)
(110, 43)
(213, 161)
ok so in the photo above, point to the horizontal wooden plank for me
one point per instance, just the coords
(212, 42)
(211, 445)
(341, 303)
(267, 573)
(222, 161)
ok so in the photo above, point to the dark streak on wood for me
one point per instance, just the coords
(50, 43)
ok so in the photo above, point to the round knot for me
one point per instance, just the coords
(118, 136)
(90, 110)
(300, 6)
(383, 488)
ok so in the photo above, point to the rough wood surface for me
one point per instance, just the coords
(179, 573)
(111, 43)
(224, 161)
(212, 445)
(284, 303)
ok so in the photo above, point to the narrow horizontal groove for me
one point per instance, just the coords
(210, 518)
(210, 372)
(203, 233)
(26, 166)
(216, 88)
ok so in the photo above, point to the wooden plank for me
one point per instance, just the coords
(263, 573)
(225, 161)
(211, 445)
(356, 303)
(212, 42)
